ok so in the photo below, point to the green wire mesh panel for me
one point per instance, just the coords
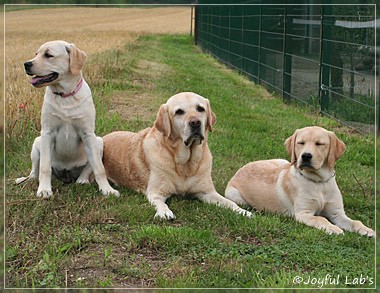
(320, 55)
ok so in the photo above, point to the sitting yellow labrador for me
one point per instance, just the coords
(304, 188)
(170, 158)
(68, 147)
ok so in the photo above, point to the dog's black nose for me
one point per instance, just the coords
(28, 65)
(306, 157)
(195, 123)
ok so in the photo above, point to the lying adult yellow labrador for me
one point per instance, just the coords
(170, 158)
(304, 188)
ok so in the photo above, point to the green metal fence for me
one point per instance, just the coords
(320, 55)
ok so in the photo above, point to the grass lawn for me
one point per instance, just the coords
(81, 239)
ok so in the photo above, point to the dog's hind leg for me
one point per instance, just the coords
(35, 156)
(84, 177)
(215, 198)
(234, 194)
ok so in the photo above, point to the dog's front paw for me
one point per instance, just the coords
(367, 232)
(359, 227)
(165, 214)
(244, 213)
(44, 192)
(333, 230)
(110, 191)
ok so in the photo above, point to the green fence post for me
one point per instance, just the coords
(287, 59)
(326, 26)
(242, 40)
(259, 47)
(196, 22)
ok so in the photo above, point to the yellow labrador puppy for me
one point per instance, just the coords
(67, 147)
(304, 188)
(170, 158)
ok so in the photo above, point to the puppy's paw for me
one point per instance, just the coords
(333, 230)
(165, 214)
(110, 191)
(367, 232)
(44, 192)
(244, 213)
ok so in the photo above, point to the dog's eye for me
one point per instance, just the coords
(47, 55)
(301, 142)
(319, 143)
(179, 112)
(200, 109)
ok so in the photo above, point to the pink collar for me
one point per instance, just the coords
(77, 88)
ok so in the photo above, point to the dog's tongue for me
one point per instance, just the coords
(36, 79)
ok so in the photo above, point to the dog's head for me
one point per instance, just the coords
(53, 62)
(187, 116)
(313, 147)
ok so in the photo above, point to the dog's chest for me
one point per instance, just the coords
(68, 110)
(187, 170)
(321, 194)
(172, 178)
(67, 140)
(188, 185)
(66, 131)
(190, 178)
(68, 114)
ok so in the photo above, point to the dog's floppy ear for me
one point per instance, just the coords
(290, 144)
(162, 123)
(337, 148)
(211, 117)
(77, 59)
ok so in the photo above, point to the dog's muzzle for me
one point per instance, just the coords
(196, 133)
(306, 161)
(28, 67)
(37, 80)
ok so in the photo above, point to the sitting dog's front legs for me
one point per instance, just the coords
(94, 158)
(44, 187)
(85, 176)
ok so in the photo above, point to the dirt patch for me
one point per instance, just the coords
(152, 69)
(121, 269)
(140, 105)
(128, 106)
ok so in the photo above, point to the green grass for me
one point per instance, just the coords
(81, 239)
